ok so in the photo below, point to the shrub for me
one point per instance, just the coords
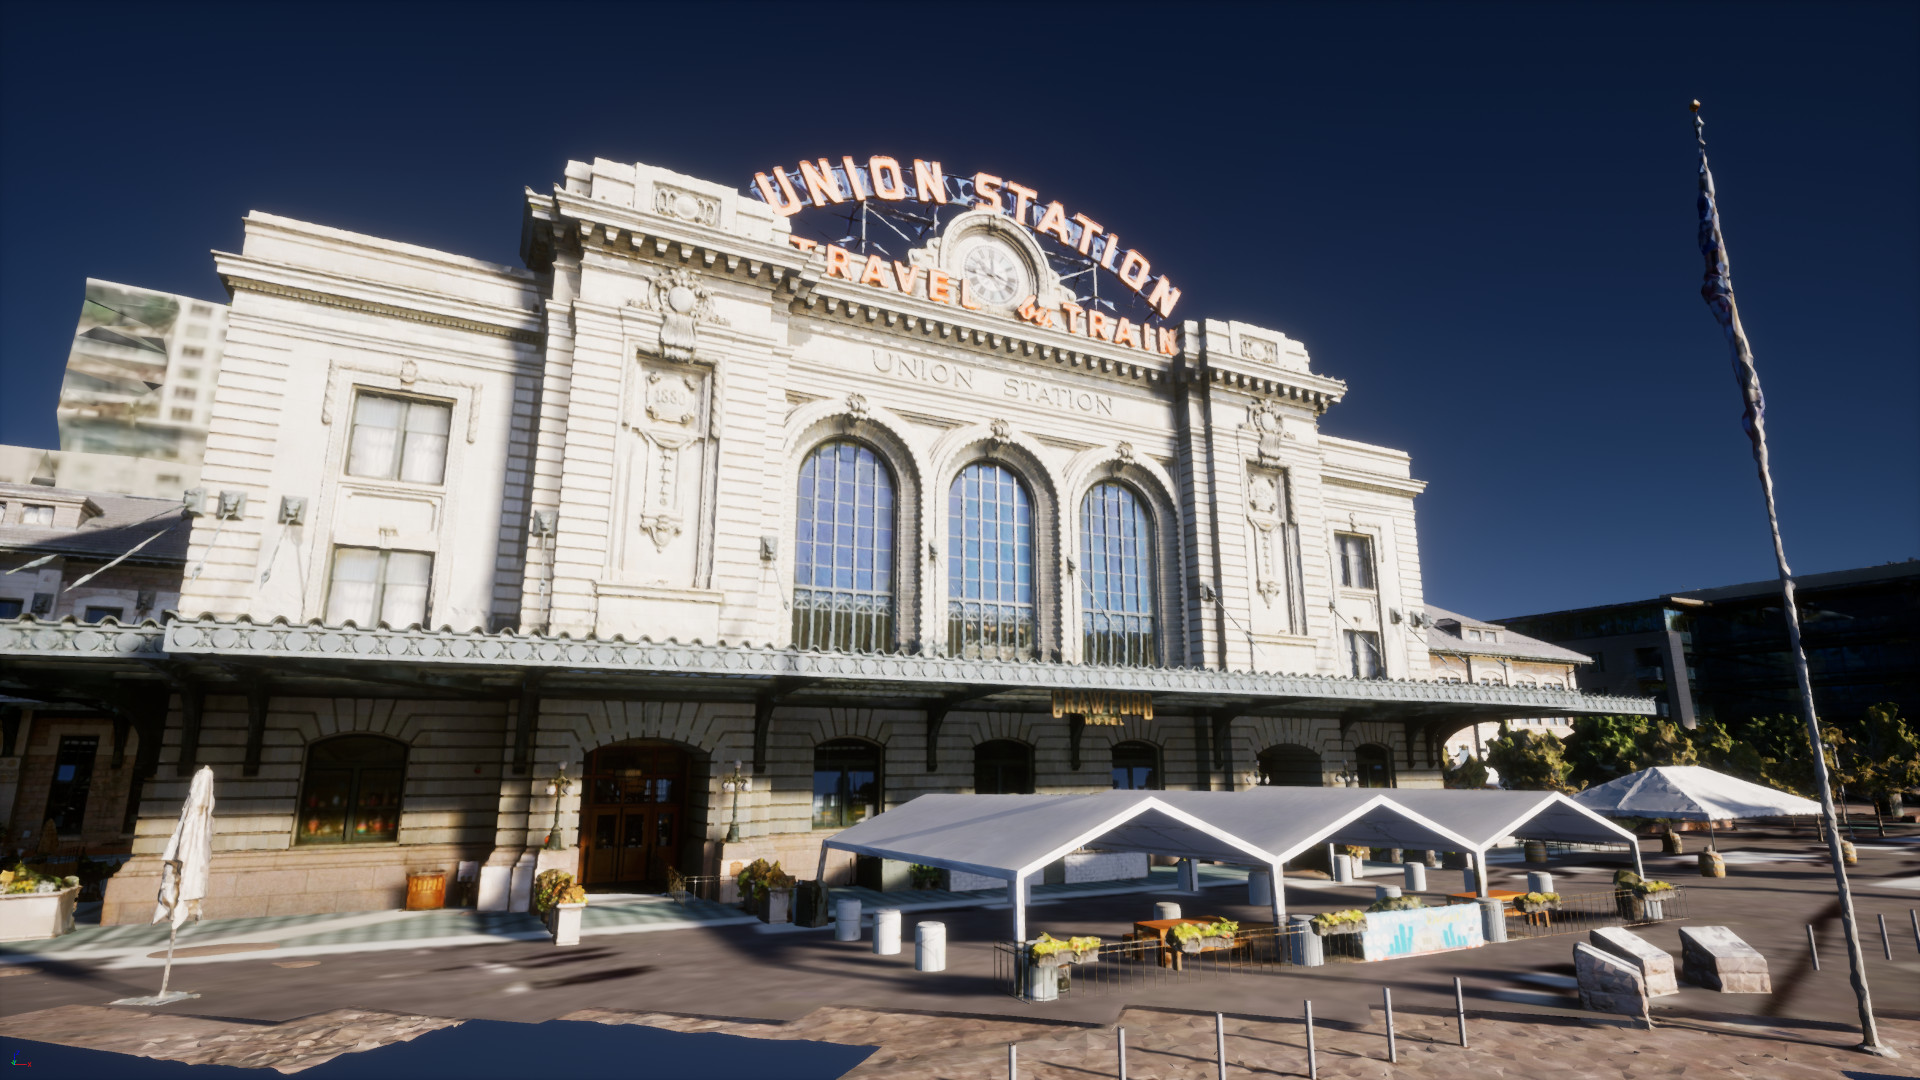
(1398, 903)
(1335, 920)
(550, 888)
(1185, 932)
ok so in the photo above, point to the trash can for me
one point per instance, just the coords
(426, 890)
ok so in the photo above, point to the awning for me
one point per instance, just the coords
(1485, 818)
(1691, 793)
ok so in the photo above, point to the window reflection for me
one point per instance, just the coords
(843, 551)
(989, 565)
(1116, 577)
(846, 783)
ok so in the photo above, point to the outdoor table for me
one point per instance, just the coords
(1534, 918)
(1158, 929)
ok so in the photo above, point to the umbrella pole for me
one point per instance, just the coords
(1710, 846)
(173, 931)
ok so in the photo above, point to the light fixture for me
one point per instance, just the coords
(734, 783)
(557, 788)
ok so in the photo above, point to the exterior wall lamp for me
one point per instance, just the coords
(557, 789)
(734, 783)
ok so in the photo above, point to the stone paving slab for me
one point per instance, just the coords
(287, 1047)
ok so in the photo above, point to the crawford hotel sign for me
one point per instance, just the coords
(874, 479)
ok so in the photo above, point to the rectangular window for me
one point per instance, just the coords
(72, 777)
(11, 608)
(185, 393)
(399, 439)
(181, 413)
(1356, 560)
(1363, 652)
(97, 614)
(36, 515)
(372, 586)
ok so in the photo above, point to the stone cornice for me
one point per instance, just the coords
(1343, 476)
(211, 638)
(242, 273)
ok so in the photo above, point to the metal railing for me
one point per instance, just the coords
(697, 886)
(1131, 965)
(1577, 914)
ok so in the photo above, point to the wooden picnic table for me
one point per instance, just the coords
(1158, 929)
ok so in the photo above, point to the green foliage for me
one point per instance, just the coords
(1335, 920)
(1886, 755)
(1397, 903)
(1769, 750)
(25, 879)
(1530, 761)
(1185, 932)
(1647, 887)
(1625, 879)
(1535, 901)
(1357, 851)
(555, 887)
(759, 876)
(924, 876)
(1047, 945)
(1471, 774)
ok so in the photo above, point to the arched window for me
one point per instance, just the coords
(1291, 765)
(846, 783)
(843, 551)
(1374, 763)
(1136, 766)
(351, 791)
(1116, 577)
(1003, 767)
(989, 565)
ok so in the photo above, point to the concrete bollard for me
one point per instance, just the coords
(1189, 876)
(1416, 877)
(846, 920)
(1539, 881)
(1343, 869)
(1386, 892)
(1308, 950)
(886, 932)
(930, 947)
(1493, 919)
(1260, 888)
(1165, 909)
(1469, 880)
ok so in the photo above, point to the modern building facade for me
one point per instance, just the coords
(1722, 653)
(513, 565)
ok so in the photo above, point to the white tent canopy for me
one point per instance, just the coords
(1691, 793)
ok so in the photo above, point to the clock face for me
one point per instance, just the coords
(995, 274)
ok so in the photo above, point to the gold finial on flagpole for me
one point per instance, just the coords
(1696, 105)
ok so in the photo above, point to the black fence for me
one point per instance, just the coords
(1143, 963)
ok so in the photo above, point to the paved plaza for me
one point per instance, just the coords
(289, 993)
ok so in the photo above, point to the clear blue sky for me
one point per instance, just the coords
(1480, 216)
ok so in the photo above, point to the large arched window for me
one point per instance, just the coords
(843, 551)
(989, 565)
(1116, 577)
(1136, 766)
(1374, 763)
(1291, 765)
(1003, 767)
(351, 791)
(846, 783)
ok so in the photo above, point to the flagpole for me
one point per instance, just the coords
(1718, 293)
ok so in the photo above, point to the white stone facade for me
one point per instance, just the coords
(624, 424)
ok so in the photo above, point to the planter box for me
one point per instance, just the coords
(1391, 934)
(777, 906)
(1206, 944)
(563, 920)
(31, 916)
(1344, 928)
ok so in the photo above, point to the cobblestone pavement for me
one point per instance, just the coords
(288, 1047)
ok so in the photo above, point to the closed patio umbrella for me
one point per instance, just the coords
(183, 876)
(1691, 793)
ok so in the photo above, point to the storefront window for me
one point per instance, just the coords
(1116, 577)
(351, 793)
(1136, 766)
(846, 783)
(1003, 767)
(843, 552)
(989, 565)
(72, 779)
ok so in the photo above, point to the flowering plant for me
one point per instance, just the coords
(1339, 922)
(1397, 903)
(1073, 950)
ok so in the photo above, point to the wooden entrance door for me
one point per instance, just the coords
(634, 815)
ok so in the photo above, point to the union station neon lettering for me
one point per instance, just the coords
(887, 180)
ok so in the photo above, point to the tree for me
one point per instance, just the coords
(1530, 761)
(1886, 757)
(1470, 773)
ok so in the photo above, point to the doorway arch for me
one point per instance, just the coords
(639, 817)
(1291, 765)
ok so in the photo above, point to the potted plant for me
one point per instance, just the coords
(924, 876)
(1332, 923)
(1397, 903)
(1205, 937)
(1649, 899)
(776, 896)
(1048, 960)
(560, 900)
(35, 905)
(1533, 902)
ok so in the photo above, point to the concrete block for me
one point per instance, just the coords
(1609, 983)
(1716, 958)
(1655, 963)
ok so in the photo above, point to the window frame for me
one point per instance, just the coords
(397, 465)
(844, 788)
(1156, 775)
(1371, 639)
(349, 814)
(846, 618)
(1140, 644)
(1370, 565)
(1031, 762)
(979, 628)
(116, 613)
(380, 585)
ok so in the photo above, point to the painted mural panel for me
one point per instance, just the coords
(1425, 930)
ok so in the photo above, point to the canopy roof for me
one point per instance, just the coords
(1487, 817)
(1691, 793)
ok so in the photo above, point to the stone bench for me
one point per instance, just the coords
(1610, 983)
(1655, 963)
(1714, 957)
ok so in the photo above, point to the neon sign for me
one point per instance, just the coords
(821, 183)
